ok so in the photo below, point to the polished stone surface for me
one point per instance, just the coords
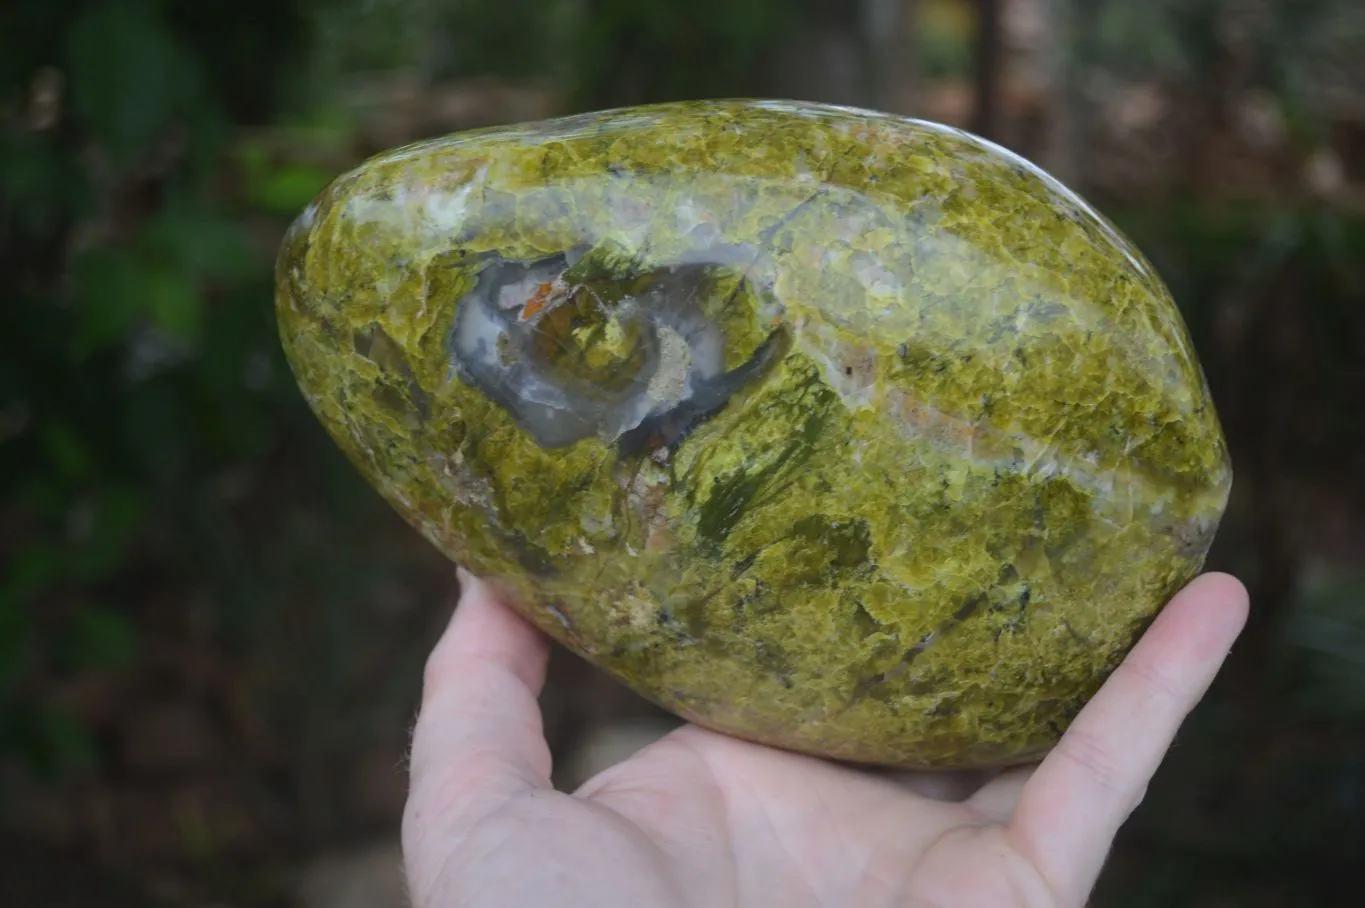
(842, 432)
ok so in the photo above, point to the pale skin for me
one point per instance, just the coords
(700, 819)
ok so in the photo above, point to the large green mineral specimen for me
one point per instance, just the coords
(837, 431)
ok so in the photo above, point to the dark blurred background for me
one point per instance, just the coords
(211, 631)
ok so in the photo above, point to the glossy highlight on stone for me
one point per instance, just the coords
(838, 431)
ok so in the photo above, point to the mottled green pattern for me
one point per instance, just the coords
(920, 534)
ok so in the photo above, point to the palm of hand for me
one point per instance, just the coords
(700, 819)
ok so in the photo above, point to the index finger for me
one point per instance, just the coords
(479, 738)
(1071, 808)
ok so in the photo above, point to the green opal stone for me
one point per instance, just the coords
(842, 432)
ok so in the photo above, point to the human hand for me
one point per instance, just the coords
(700, 819)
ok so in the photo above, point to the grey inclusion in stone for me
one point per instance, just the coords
(670, 378)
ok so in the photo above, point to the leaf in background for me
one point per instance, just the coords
(200, 242)
(118, 291)
(37, 180)
(61, 743)
(289, 187)
(116, 515)
(109, 299)
(129, 77)
(30, 572)
(99, 638)
(243, 330)
(279, 187)
(174, 303)
(331, 129)
(67, 451)
(158, 430)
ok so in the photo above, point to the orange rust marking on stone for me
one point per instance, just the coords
(537, 301)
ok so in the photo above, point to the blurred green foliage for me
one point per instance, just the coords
(599, 52)
(632, 51)
(137, 351)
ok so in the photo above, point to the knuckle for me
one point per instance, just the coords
(1153, 679)
(1093, 756)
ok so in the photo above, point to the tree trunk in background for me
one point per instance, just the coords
(989, 57)
(826, 58)
(1058, 152)
(889, 27)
